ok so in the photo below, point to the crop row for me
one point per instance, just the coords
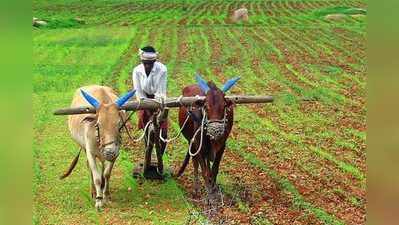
(262, 13)
(283, 123)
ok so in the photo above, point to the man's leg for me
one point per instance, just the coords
(164, 136)
(140, 121)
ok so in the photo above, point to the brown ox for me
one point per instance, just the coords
(98, 134)
(216, 116)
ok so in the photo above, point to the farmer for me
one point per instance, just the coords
(150, 81)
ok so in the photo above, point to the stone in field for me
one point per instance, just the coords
(79, 20)
(37, 23)
(240, 14)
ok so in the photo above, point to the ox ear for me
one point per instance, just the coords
(90, 99)
(229, 84)
(201, 83)
(124, 98)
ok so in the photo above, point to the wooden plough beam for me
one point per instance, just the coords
(169, 102)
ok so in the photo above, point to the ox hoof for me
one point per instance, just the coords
(107, 199)
(214, 199)
(99, 204)
(152, 173)
(197, 190)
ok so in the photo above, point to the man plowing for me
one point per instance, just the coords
(150, 82)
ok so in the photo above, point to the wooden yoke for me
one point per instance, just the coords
(169, 102)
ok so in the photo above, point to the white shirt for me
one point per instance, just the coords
(154, 84)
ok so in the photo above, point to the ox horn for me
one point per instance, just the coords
(229, 84)
(124, 98)
(201, 83)
(90, 99)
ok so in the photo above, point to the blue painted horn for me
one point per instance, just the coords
(229, 84)
(202, 83)
(124, 98)
(90, 99)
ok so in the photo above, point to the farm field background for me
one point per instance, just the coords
(300, 160)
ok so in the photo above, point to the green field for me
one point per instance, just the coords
(300, 160)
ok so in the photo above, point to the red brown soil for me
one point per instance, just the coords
(320, 184)
(260, 194)
(267, 198)
(280, 213)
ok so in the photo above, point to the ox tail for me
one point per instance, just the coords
(72, 166)
(184, 165)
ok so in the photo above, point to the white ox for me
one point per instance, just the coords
(98, 134)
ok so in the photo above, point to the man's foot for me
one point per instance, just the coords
(152, 173)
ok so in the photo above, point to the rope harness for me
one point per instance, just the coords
(101, 146)
(118, 140)
(178, 134)
(100, 143)
(214, 128)
(200, 129)
(127, 130)
(165, 140)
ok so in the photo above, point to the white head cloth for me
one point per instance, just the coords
(147, 55)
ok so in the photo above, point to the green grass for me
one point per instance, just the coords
(62, 23)
(343, 166)
(64, 61)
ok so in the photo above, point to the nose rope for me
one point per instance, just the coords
(108, 143)
(162, 103)
(178, 134)
(99, 142)
(201, 128)
(127, 130)
(166, 141)
(184, 123)
(144, 131)
(214, 129)
(106, 154)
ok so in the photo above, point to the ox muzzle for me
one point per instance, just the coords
(215, 129)
(109, 150)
